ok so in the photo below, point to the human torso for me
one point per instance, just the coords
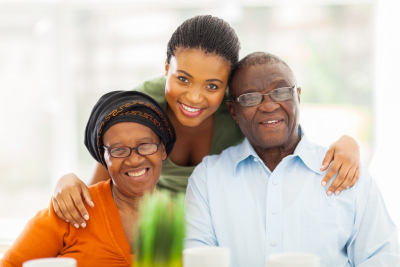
(256, 212)
(104, 241)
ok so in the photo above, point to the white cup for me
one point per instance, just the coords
(51, 262)
(206, 257)
(293, 260)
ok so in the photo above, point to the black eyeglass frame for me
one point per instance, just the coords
(108, 149)
(237, 99)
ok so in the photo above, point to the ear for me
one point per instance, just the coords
(231, 108)
(163, 151)
(298, 93)
(166, 67)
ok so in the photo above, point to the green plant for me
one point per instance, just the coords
(160, 231)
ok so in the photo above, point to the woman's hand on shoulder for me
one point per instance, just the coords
(68, 200)
(344, 156)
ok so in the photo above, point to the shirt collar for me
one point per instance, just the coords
(305, 150)
(245, 151)
(308, 153)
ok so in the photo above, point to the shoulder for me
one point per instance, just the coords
(101, 190)
(214, 163)
(154, 88)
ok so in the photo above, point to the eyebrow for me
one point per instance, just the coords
(209, 80)
(144, 139)
(275, 83)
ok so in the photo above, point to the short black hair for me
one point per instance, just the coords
(210, 34)
(256, 58)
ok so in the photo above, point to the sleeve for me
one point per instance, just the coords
(374, 240)
(42, 237)
(200, 230)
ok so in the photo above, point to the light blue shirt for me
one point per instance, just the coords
(233, 200)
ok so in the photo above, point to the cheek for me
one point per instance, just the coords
(113, 165)
(214, 99)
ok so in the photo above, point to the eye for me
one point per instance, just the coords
(183, 79)
(212, 86)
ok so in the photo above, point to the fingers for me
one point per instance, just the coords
(355, 178)
(346, 182)
(76, 218)
(67, 214)
(77, 205)
(88, 198)
(327, 160)
(57, 210)
(338, 180)
(331, 172)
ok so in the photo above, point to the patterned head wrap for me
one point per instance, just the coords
(126, 106)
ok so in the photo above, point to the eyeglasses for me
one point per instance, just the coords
(125, 151)
(254, 99)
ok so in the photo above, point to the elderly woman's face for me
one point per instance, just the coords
(135, 174)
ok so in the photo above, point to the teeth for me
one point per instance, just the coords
(135, 174)
(190, 109)
(271, 122)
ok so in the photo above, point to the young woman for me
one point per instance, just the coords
(200, 55)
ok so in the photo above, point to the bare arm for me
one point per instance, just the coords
(100, 174)
(69, 194)
(344, 156)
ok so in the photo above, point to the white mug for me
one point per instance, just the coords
(51, 262)
(206, 257)
(293, 260)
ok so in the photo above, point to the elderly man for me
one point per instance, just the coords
(264, 196)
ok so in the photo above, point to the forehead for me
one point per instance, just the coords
(262, 77)
(128, 132)
(197, 62)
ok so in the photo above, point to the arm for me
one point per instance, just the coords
(374, 240)
(42, 237)
(200, 230)
(69, 194)
(344, 155)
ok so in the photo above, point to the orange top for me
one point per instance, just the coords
(101, 243)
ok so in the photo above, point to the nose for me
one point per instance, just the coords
(134, 158)
(268, 105)
(195, 95)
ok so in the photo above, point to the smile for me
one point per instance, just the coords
(190, 111)
(272, 123)
(135, 174)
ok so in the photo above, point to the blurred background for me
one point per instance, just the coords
(58, 57)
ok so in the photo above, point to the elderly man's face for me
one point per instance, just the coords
(269, 124)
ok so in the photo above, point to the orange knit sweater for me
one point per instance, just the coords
(101, 243)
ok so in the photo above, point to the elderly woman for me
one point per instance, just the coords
(130, 135)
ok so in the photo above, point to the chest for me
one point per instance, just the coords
(191, 147)
(287, 210)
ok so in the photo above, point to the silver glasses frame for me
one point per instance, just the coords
(237, 99)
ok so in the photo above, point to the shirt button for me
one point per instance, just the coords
(274, 212)
(275, 182)
(255, 159)
(290, 170)
(273, 243)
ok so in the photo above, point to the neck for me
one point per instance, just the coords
(272, 156)
(124, 203)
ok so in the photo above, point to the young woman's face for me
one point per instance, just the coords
(196, 84)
